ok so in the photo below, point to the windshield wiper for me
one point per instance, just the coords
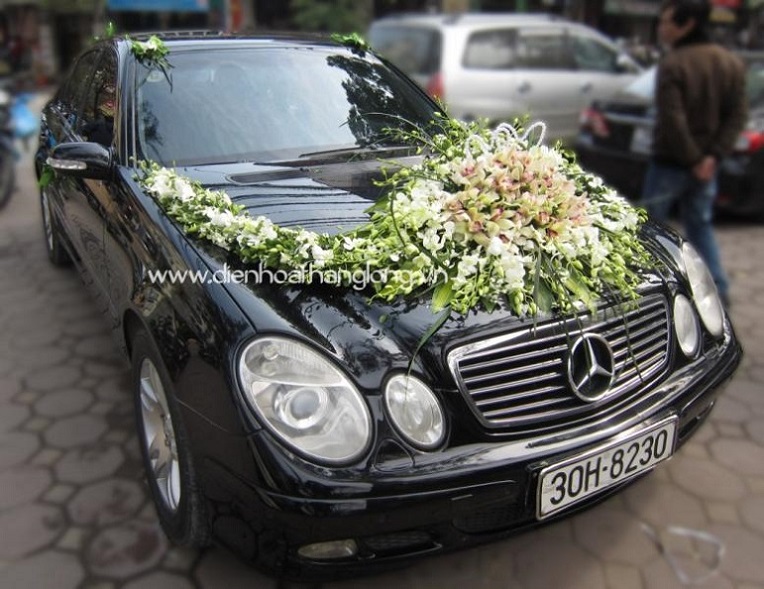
(355, 150)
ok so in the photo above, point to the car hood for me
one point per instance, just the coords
(368, 336)
(325, 198)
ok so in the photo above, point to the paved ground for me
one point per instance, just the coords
(74, 511)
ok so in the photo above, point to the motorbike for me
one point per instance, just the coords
(7, 151)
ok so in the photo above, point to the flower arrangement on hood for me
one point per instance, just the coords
(488, 218)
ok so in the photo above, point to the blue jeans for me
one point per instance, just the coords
(665, 185)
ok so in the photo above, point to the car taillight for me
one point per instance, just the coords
(593, 120)
(750, 141)
(435, 86)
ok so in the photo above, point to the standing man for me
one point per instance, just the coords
(701, 110)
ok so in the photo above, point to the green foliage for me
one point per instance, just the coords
(344, 16)
(46, 176)
(354, 41)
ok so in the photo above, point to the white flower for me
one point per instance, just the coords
(467, 266)
(496, 246)
(321, 256)
(268, 231)
(185, 191)
(219, 218)
(162, 183)
(350, 243)
(448, 229)
(431, 241)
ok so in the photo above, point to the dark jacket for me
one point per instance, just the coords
(701, 102)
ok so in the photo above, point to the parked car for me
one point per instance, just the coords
(502, 66)
(615, 141)
(312, 429)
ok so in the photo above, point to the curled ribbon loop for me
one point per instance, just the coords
(506, 135)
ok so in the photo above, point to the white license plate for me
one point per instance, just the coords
(642, 140)
(573, 480)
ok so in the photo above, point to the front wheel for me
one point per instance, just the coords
(166, 452)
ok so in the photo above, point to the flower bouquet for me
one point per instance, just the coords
(488, 218)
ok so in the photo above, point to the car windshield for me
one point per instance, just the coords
(644, 85)
(271, 104)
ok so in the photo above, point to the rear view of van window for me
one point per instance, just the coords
(491, 50)
(415, 50)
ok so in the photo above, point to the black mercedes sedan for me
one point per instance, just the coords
(615, 141)
(361, 332)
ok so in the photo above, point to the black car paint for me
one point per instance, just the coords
(265, 500)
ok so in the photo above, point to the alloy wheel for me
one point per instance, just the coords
(159, 436)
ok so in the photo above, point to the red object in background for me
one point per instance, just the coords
(435, 86)
(235, 16)
(594, 120)
(734, 4)
(751, 141)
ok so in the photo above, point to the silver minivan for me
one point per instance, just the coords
(500, 66)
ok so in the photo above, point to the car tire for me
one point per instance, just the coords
(7, 177)
(57, 255)
(167, 457)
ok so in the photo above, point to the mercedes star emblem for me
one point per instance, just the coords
(591, 367)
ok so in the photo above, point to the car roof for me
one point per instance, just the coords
(469, 19)
(195, 38)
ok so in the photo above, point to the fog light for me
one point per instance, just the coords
(687, 326)
(329, 550)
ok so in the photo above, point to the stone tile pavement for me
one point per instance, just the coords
(74, 512)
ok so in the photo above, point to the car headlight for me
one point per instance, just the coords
(305, 400)
(703, 290)
(686, 326)
(415, 412)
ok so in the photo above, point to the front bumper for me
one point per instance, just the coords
(443, 501)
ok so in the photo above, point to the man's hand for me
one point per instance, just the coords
(705, 169)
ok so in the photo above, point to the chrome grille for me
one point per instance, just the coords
(519, 380)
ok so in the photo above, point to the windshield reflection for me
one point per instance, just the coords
(269, 104)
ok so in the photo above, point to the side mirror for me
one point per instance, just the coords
(81, 160)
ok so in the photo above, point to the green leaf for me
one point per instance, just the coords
(46, 176)
(442, 297)
(544, 297)
(427, 335)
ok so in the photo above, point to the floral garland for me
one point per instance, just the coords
(488, 218)
(153, 51)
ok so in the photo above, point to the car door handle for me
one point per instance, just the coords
(524, 87)
(585, 88)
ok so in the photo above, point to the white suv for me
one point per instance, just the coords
(500, 66)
